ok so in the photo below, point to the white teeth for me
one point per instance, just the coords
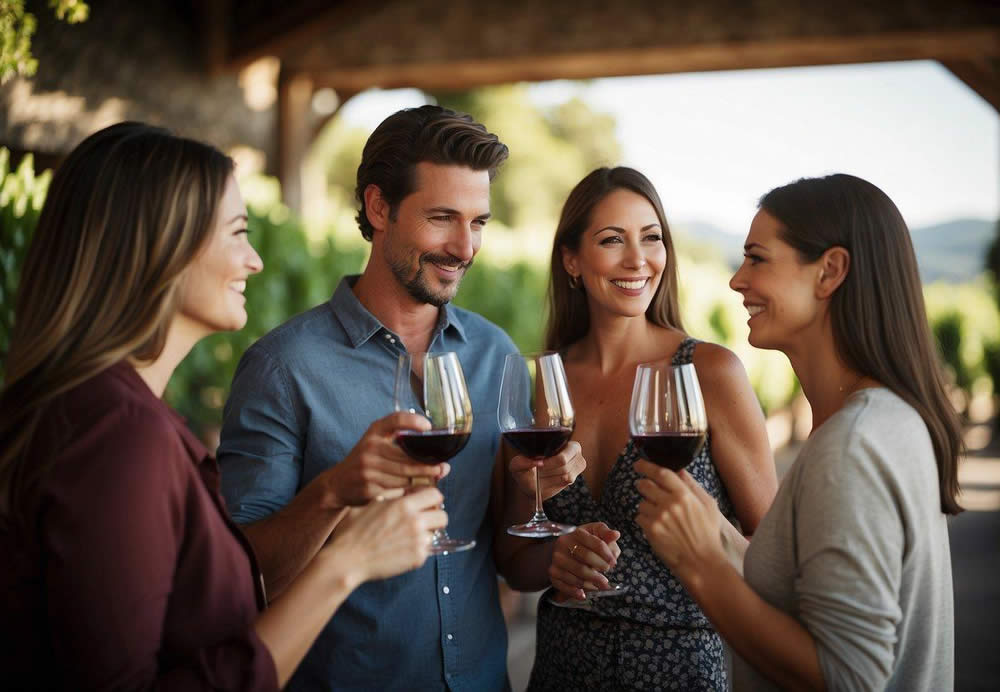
(755, 309)
(239, 286)
(631, 285)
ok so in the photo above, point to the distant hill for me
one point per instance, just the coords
(954, 252)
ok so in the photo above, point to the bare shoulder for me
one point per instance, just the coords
(717, 365)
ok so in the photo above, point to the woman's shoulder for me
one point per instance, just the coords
(716, 364)
(876, 434)
(111, 421)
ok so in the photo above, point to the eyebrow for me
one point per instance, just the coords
(750, 246)
(619, 229)
(454, 212)
(238, 217)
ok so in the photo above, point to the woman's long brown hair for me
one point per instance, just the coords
(126, 213)
(569, 317)
(879, 322)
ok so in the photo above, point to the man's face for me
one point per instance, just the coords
(437, 231)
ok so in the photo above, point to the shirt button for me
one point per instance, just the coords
(450, 637)
(446, 590)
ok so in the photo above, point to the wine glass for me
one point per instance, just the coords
(536, 419)
(666, 418)
(433, 384)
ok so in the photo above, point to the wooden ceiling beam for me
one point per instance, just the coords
(301, 22)
(214, 15)
(982, 76)
(962, 45)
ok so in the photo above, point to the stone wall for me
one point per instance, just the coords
(131, 60)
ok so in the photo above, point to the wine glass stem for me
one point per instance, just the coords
(438, 535)
(539, 511)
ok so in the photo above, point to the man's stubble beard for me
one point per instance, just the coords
(417, 286)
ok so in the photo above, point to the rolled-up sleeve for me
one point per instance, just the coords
(116, 527)
(850, 538)
(260, 455)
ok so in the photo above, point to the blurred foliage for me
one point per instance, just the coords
(18, 26)
(966, 324)
(21, 196)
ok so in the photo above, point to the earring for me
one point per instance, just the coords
(574, 282)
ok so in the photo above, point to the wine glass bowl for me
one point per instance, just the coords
(433, 384)
(667, 420)
(536, 418)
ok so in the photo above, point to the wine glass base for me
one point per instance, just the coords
(540, 529)
(443, 546)
(611, 591)
(588, 602)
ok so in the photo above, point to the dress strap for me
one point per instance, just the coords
(685, 352)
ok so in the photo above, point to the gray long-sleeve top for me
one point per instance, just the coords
(856, 548)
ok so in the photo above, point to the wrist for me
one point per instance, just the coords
(344, 573)
(329, 498)
(702, 577)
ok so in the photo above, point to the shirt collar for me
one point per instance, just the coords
(360, 325)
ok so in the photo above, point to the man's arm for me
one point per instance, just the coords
(261, 459)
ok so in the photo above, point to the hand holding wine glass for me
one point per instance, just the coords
(433, 384)
(667, 419)
(554, 473)
(388, 537)
(681, 522)
(536, 418)
(580, 558)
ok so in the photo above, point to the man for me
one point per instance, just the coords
(306, 431)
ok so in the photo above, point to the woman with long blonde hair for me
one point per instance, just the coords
(122, 569)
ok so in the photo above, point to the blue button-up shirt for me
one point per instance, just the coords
(301, 399)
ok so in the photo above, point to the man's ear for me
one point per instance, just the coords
(833, 267)
(376, 207)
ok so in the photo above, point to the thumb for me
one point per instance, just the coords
(401, 420)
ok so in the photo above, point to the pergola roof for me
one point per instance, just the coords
(179, 63)
(436, 44)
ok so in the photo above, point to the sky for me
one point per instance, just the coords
(714, 142)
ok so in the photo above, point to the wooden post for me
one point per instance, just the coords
(294, 133)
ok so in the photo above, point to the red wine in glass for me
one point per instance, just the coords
(672, 450)
(432, 447)
(536, 418)
(433, 384)
(667, 420)
(538, 443)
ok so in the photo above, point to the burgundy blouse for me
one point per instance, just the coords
(133, 576)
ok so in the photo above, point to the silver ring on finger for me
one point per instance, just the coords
(572, 551)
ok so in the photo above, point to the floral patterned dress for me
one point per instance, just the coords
(654, 637)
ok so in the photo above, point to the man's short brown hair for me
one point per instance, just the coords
(426, 134)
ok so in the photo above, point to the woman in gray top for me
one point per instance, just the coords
(848, 577)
